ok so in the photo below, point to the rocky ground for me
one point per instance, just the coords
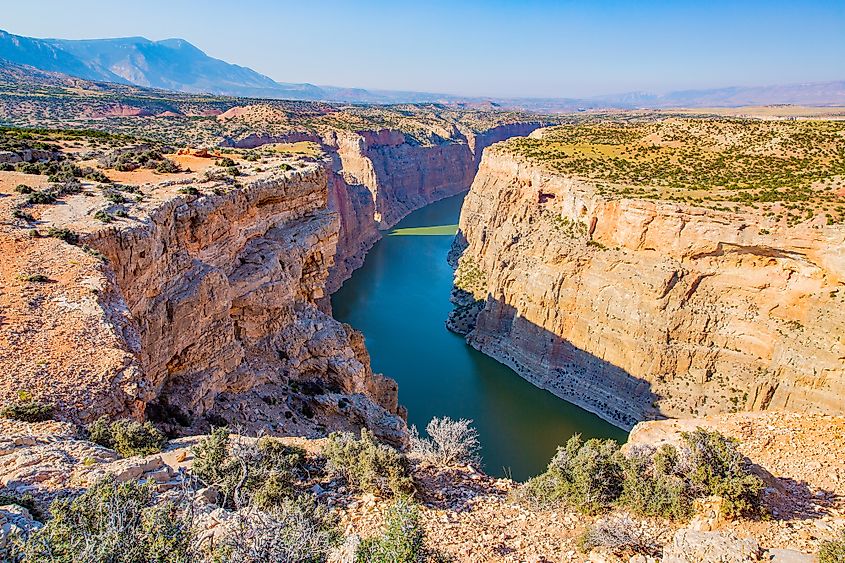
(473, 517)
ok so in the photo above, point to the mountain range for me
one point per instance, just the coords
(177, 65)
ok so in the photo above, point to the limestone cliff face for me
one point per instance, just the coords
(636, 308)
(222, 290)
(382, 177)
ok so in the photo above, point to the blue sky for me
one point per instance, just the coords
(473, 47)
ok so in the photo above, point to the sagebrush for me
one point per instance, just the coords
(367, 465)
(246, 472)
(593, 475)
(450, 442)
(127, 437)
(833, 551)
(403, 539)
(116, 523)
(27, 409)
(294, 530)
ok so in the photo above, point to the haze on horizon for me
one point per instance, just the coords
(491, 48)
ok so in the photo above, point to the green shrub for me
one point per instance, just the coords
(167, 166)
(64, 234)
(189, 190)
(95, 175)
(133, 158)
(67, 186)
(103, 216)
(23, 189)
(652, 487)
(833, 551)
(35, 278)
(403, 540)
(225, 162)
(127, 437)
(366, 464)
(62, 172)
(718, 468)
(27, 409)
(18, 213)
(210, 456)
(112, 522)
(586, 475)
(41, 197)
(249, 473)
(664, 482)
(114, 196)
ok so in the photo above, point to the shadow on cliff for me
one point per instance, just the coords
(786, 498)
(556, 365)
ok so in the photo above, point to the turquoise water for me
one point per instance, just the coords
(399, 299)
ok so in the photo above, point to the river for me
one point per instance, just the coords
(399, 299)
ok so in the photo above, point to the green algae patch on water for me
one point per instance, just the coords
(436, 230)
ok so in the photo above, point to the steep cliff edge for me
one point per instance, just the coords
(207, 298)
(383, 175)
(637, 307)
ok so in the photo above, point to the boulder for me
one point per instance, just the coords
(9, 157)
(787, 556)
(15, 522)
(691, 546)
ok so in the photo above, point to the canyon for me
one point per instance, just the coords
(194, 292)
(638, 308)
(380, 176)
(210, 307)
(207, 303)
(319, 328)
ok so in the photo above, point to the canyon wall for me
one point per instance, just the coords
(382, 177)
(211, 305)
(221, 292)
(638, 309)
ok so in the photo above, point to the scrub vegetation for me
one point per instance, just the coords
(27, 409)
(127, 437)
(790, 169)
(595, 475)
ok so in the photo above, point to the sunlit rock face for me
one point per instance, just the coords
(212, 301)
(638, 308)
(382, 177)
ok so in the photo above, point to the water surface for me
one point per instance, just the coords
(399, 299)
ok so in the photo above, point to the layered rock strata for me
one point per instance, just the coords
(205, 312)
(223, 292)
(382, 177)
(636, 308)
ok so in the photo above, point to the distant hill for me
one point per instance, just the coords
(172, 64)
(807, 94)
(177, 65)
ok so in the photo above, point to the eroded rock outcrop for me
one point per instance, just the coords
(198, 307)
(222, 295)
(639, 308)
